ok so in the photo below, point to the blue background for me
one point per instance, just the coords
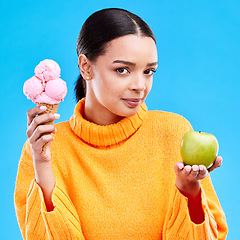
(198, 77)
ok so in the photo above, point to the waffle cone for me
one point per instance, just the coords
(51, 108)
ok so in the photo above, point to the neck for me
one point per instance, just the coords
(99, 115)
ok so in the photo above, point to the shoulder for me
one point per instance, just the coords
(64, 132)
(168, 119)
(63, 126)
(166, 126)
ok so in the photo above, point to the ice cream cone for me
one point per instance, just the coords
(46, 88)
(51, 108)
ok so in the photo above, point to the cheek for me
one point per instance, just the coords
(106, 87)
(112, 84)
(149, 86)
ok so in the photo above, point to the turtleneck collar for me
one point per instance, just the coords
(105, 135)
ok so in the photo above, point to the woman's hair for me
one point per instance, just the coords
(102, 27)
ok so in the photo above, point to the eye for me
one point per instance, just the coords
(149, 72)
(122, 71)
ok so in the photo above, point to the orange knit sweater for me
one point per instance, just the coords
(115, 182)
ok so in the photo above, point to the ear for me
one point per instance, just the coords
(85, 67)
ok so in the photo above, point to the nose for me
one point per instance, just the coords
(138, 84)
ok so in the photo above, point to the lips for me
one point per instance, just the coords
(132, 102)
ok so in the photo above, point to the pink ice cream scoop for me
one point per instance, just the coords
(33, 87)
(46, 86)
(56, 84)
(47, 70)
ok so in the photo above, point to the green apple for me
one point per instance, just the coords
(199, 148)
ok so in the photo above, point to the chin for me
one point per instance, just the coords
(130, 112)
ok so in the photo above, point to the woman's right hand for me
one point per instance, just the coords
(40, 133)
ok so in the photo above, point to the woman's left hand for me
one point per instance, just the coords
(188, 177)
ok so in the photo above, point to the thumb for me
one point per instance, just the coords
(216, 164)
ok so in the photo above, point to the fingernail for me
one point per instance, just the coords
(195, 168)
(188, 169)
(56, 115)
(43, 107)
(180, 167)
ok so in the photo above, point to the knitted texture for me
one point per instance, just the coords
(115, 182)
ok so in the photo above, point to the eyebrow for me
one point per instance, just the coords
(134, 64)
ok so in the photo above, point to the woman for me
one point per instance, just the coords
(114, 169)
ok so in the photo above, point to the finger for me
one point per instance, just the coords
(37, 147)
(32, 113)
(40, 120)
(217, 163)
(195, 171)
(179, 166)
(203, 172)
(40, 131)
(187, 170)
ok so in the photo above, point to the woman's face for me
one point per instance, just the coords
(121, 79)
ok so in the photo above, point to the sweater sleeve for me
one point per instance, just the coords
(34, 221)
(179, 224)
